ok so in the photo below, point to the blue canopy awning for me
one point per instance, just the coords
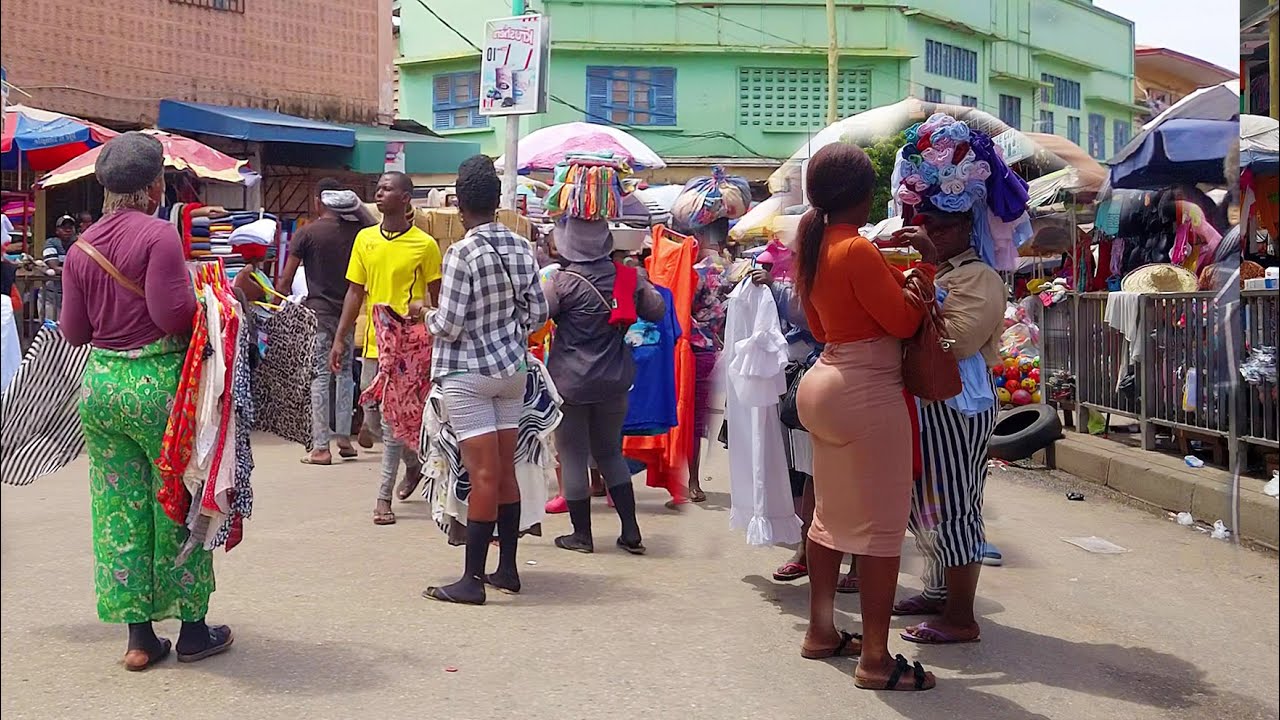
(250, 124)
(1181, 150)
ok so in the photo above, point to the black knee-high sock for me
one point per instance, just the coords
(479, 535)
(580, 516)
(194, 636)
(508, 538)
(142, 636)
(624, 501)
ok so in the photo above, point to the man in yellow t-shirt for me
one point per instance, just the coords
(392, 263)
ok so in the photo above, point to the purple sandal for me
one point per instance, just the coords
(926, 634)
(917, 605)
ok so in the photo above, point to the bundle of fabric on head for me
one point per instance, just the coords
(348, 206)
(707, 199)
(588, 187)
(946, 166)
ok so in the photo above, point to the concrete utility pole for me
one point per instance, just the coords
(833, 64)
(511, 166)
(1273, 59)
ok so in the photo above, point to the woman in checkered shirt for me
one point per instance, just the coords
(490, 302)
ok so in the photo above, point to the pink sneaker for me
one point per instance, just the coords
(557, 505)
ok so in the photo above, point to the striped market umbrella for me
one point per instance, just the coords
(41, 140)
(180, 153)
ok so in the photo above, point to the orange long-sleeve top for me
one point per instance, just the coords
(857, 295)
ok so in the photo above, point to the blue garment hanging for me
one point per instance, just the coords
(652, 401)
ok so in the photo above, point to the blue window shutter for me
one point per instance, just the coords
(597, 94)
(664, 96)
(441, 97)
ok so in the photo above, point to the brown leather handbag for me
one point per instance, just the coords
(930, 370)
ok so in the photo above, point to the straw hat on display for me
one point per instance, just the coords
(1160, 278)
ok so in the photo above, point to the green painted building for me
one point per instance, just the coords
(744, 82)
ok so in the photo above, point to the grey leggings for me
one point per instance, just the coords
(591, 432)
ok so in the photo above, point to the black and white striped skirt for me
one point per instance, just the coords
(946, 505)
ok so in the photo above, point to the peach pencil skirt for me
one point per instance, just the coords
(852, 403)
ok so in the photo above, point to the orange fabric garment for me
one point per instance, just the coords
(667, 456)
(857, 294)
(1266, 202)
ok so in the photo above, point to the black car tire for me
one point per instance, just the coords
(1022, 432)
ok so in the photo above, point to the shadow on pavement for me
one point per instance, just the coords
(264, 663)
(1014, 656)
(717, 501)
(553, 588)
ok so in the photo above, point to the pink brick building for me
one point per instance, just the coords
(113, 60)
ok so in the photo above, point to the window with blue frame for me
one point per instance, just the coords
(1097, 137)
(1011, 111)
(950, 61)
(455, 102)
(1046, 122)
(631, 95)
(969, 101)
(1060, 91)
(1073, 129)
(1122, 135)
(933, 95)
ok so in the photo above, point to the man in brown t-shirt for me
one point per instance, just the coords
(323, 247)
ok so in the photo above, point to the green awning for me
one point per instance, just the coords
(423, 154)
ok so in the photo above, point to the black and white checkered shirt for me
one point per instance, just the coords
(490, 301)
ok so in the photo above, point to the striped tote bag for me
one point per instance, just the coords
(39, 415)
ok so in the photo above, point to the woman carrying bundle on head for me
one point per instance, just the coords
(959, 199)
(704, 209)
(593, 301)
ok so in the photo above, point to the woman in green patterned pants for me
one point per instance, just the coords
(126, 292)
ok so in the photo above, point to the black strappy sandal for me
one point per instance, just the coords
(839, 651)
(920, 678)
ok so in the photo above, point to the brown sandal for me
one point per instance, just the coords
(384, 517)
(139, 660)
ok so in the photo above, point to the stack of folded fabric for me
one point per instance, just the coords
(201, 245)
(220, 229)
(229, 237)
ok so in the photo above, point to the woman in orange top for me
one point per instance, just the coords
(853, 405)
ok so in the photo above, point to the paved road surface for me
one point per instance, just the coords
(330, 624)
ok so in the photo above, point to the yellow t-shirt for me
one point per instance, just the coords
(393, 272)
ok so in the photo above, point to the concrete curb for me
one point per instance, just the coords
(1168, 483)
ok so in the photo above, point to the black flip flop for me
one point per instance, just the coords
(442, 595)
(636, 548)
(350, 454)
(500, 584)
(165, 646)
(220, 639)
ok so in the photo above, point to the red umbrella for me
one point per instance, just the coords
(180, 153)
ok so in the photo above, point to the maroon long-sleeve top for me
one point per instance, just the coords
(96, 309)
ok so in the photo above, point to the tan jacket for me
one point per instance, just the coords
(973, 313)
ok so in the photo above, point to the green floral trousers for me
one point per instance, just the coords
(124, 409)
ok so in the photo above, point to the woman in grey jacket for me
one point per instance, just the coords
(593, 370)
